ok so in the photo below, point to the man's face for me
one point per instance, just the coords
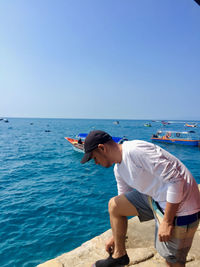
(100, 157)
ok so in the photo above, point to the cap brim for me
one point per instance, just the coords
(86, 157)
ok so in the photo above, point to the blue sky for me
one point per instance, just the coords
(132, 59)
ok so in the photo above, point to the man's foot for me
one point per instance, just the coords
(111, 262)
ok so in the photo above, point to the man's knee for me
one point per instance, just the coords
(113, 205)
(120, 206)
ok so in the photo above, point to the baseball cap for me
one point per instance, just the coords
(93, 139)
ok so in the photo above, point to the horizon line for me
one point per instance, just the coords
(116, 119)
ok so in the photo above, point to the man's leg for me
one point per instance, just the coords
(119, 209)
(174, 264)
(176, 249)
(131, 203)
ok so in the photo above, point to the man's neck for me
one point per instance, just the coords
(119, 153)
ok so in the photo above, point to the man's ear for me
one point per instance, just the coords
(101, 147)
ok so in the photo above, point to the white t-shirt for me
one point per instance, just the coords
(155, 172)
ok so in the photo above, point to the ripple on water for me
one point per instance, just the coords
(50, 203)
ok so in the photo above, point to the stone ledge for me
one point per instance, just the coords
(140, 247)
(51, 263)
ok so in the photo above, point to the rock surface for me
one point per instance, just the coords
(140, 247)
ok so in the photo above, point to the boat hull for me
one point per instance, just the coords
(75, 144)
(177, 141)
(192, 126)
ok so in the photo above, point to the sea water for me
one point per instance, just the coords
(49, 202)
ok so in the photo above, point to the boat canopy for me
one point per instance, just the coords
(116, 139)
(83, 136)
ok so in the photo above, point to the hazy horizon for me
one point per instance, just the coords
(114, 119)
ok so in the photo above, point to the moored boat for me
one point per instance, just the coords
(173, 137)
(147, 125)
(78, 142)
(191, 125)
(165, 123)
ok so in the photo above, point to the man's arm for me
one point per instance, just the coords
(166, 226)
(122, 186)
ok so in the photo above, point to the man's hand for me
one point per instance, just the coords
(166, 226)
(110, 245)
(165, 231)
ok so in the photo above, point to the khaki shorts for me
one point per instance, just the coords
(177, 248)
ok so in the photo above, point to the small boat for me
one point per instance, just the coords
(191, 125)
(78, 142)
(6, 120)
(147, 124)
(173, 137)
(116, 122)
(165, 123)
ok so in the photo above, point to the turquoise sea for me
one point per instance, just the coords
(49, 202)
